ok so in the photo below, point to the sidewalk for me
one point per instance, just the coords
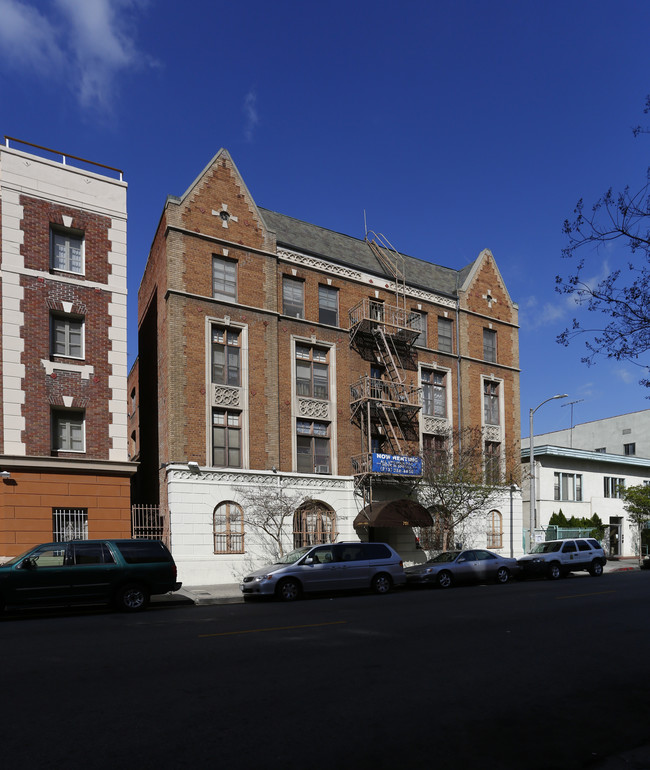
(229, 593)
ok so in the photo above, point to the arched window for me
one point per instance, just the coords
(228, 528)
(495, 530)
(313, 523)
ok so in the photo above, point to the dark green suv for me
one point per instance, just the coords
(122, 572)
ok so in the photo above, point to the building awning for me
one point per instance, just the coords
(394, 513)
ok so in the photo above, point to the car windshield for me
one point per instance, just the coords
(16, 559)
(553, 545)
(444, 557)
(293, 556)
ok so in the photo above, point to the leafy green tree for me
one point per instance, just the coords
(637, 505)
(619, 303)
(559, 519)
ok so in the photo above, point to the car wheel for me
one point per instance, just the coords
(596, 569)
(503, 575)
(444, 579)
(382, 583)
(554, 571)
(288, 590)
(131, 598)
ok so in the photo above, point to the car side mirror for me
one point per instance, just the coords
(460, 561)
(28, 563)
(309, 560)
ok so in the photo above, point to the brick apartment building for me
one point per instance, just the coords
(276, 354)
(64, 464)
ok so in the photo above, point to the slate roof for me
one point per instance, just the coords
(319, 242)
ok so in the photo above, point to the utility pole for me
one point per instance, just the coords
(572, 404)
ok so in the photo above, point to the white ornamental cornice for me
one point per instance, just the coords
(255, 479)
(319, 264)
(356, 275)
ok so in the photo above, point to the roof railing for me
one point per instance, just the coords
(64, 157)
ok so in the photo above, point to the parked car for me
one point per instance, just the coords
(449, 567)
(331, 567)
(556, 558)
(122, 572)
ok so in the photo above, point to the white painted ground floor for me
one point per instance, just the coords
(218, 535)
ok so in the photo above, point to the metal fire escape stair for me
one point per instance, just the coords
(384, 335)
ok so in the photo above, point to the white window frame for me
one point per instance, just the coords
(491, 335)
(68, 320)
(290, 280)
(61, 232)
(226, 262)
(242, 391)
(330, 404)
(74, 416)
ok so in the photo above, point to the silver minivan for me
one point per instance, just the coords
(331, 567)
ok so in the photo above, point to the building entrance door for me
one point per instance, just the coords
(614, 536)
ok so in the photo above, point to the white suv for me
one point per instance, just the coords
(556, 558)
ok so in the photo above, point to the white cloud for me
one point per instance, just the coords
(250, 111)
(28, 39)
(87, 43)
(626, 376)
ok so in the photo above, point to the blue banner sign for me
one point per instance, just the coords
(397, 465)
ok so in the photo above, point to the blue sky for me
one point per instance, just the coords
(456, 126)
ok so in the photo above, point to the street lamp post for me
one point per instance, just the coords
(533, 495)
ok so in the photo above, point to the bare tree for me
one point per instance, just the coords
(462, 481)
(269, 509)
(619, 303)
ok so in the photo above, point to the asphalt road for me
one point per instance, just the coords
(528, 675)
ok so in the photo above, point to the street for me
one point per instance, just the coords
(538, 674)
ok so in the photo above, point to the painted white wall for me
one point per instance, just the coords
(193, 497)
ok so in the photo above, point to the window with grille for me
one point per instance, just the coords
(226, 438)
(445, 339)
(314, 523)
(69, 524)
(328, 305)
(495, 531)
(67, 336)
(224, 278)
(67, 251)
(226, 356)
(490, 345)
(312, 372)
(293, 297)
(434, 393)
(68, 430)
(490, 402)
(228, 528)
(313, 446)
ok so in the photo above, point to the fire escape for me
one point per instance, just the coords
(385, 407)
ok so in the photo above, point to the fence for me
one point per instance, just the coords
(147, 522)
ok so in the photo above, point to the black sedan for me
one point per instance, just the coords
(475, 565)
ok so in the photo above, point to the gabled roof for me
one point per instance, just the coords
(354, 252)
